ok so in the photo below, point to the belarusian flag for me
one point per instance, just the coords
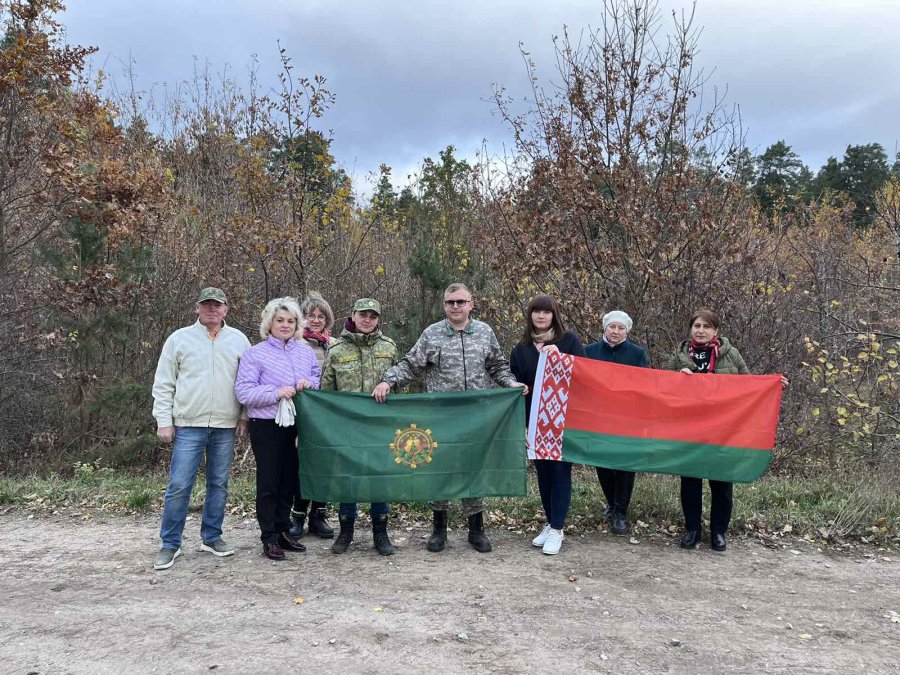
(637, 419)
(414, 447)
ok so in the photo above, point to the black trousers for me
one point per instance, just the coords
(617, 488)
(719, 510)
(275, 450)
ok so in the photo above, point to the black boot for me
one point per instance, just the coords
(342, 543)
(476, 533)
(717, 542)
(438, 531)
(619, 523)
(298, 519)
(380, 535)
(691, 539)
(318, 525)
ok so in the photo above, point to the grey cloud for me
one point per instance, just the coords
(411, 78)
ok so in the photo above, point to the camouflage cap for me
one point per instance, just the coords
(216, 294)
(369, 304)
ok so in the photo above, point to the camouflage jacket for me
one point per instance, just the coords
(453, 360)
(357, 361)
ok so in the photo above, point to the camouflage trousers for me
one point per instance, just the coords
(470, 505)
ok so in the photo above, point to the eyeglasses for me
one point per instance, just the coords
(456, 303)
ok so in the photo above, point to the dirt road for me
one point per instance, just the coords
(82, 597)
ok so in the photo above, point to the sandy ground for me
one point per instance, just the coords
(82, 597)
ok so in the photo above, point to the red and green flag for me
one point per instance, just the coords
(720, 427)
(414, 447)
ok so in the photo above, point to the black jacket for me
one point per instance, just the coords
(524, 359)
(625, 353)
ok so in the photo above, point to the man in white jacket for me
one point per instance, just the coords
(195, 406)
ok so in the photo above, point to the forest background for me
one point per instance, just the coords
(626, 188)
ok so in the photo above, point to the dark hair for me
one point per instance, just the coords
(547, 303)
(708, 315)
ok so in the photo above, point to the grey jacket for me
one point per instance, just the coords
(453, 360)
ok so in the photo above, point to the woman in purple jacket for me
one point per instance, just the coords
(275, 369)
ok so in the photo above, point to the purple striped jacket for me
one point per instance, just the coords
(268, 366)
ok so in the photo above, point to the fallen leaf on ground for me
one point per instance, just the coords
(298, 601)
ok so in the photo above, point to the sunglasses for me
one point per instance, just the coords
(456, 303)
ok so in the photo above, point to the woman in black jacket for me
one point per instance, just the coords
(544, 332)
(615, 347)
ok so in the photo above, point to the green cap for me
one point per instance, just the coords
(367, 304)
(216, 294)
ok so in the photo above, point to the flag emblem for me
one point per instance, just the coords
(412, 446)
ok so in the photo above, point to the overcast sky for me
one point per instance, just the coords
(412, 76)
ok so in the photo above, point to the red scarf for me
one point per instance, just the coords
(322, 338)
(712, 346)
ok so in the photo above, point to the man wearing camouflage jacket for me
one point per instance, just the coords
(456, 354)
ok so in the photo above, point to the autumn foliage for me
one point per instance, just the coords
(626, 189)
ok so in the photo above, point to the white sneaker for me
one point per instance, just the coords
(553, 542)
(542, 537)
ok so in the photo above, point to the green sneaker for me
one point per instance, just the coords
(166, 558)
(218, 548)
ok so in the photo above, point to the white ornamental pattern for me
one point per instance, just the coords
(554, 400)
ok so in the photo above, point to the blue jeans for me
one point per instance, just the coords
(187, 451)
(376, 509)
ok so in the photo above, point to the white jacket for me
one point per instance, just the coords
(194, 383)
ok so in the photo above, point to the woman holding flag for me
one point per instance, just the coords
(707, 352)
(615, 347)
(544, 332)
(357, 362)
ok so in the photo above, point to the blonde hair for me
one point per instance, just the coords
(287, 304)
(315, 301)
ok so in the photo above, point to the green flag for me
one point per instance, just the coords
(414, 447)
